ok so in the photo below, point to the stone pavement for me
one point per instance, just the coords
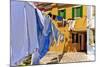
(68, 57)
(50, 57)
(55, 58)
(75, 57)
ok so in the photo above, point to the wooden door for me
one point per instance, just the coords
(83, 42)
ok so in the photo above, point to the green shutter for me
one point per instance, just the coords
(78, 12)
(72, 12)
(62, 13)
(81, 12)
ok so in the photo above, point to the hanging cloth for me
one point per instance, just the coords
(59, 18)
(32, 28)
(19, 38)
(55, 33)
(24, 38)
(43, 33)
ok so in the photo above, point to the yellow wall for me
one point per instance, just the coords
(54, 10)
(84, 11)
(80, 25)
(68, 12)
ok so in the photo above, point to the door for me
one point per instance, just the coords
(83, 42)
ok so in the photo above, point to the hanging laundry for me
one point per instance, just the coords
(24, 38)
(39, 29)
(30, 32)
(60, 38)
(35, 57)
(71, 24)
(32, 28)
(19, 38)
(45, 34)
(59, 18)
(45, 37)
(55, 32)
(33, 34)
(41, 16)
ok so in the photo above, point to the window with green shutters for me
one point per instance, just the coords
(77, 12)
(62, 13)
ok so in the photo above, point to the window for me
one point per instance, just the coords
(62, 13)
(77, 11)
(74, 38)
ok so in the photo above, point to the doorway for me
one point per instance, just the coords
(83, 41)
(79, 41)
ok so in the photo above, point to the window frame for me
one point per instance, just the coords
(64, 12)
(74, 12)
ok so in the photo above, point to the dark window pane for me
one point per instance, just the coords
(76, 38)
(72, 37)
(77, 11)
(73, 12)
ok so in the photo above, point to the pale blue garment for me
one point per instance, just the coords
(23, 31)
(32, 28)
(47, 25)
(33, 37)
(19, 39)
(55, 32)
(35, 58)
